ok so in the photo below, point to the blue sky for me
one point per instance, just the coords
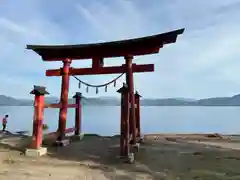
(204, 62)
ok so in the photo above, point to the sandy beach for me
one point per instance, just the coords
(165, 156)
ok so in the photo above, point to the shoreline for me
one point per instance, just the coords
(118, 105)
(24, 133)
(169, 156)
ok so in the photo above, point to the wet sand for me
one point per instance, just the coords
(161, 156)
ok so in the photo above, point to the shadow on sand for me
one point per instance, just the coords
(102, 154)
(14, 142)
(155, 160)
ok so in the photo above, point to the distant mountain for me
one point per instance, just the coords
(111, 101)
(216, 101)
(51, 99)
(220, 101)
(185, 99)
(9, 101)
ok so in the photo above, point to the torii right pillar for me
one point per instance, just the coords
(132, 115)
(130, 84)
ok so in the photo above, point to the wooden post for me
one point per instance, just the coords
(138, 122)
(39, 92)
(130, 84)
(122, 143)
(64, 99)
(126, 124)
(78, 113)
(124, 127)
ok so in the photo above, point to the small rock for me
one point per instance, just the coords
(105, 167)
(171, 139)
(197, 153)
(215, 135)
(166, 170)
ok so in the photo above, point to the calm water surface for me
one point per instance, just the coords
(106, 120)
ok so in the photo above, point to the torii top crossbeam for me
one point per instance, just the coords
(134, 47)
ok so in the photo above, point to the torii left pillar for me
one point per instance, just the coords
(36, 148)
(65, 71)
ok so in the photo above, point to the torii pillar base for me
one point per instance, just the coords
(135, 147)
(77, 137)
(36, 152)
(61, 143)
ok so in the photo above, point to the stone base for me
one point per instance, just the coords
(120, 157)
(63, 142)
(77, 137)
(36, 152)
(140, 139)
(131, 158)
(136, 147)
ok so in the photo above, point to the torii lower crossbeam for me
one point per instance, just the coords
(59, 106)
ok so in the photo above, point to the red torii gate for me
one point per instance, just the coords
(97, 52)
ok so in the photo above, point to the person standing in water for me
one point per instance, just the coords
(4, 122)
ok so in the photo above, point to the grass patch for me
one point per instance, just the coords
(9, 160)
(92, 135)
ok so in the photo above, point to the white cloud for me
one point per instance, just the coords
(210, 40)
(204, 56)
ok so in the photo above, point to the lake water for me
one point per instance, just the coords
(106, 120)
